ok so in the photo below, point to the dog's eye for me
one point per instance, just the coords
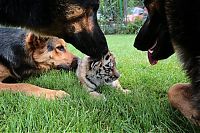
(61, 48)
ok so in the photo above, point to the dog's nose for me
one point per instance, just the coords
(74, 63)
(63, 67)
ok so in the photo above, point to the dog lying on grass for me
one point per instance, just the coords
(93, 73)
(23, 54)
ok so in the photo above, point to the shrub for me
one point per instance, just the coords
(121, 28)
(132, 27)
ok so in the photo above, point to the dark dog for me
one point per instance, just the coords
(170, 23)
(23, 54)
(154, 35)
(73, 20)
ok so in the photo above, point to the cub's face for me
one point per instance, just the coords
(106, 68)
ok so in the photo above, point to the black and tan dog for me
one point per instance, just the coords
(176, 23)
(23, 54)
(73, 20)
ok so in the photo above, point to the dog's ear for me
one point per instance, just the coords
(34, 41)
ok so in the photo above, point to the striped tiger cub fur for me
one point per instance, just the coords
(93, 73)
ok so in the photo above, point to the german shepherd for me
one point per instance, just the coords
(73, 20)
(23, 54)
(176, 23)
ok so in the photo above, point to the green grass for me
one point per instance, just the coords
(145, 110)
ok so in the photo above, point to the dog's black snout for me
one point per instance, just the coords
(63, 67)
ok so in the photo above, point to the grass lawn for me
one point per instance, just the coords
(145, 110)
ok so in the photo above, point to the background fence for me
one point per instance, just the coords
(113, 16)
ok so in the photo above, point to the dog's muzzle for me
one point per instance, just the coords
(72, 67)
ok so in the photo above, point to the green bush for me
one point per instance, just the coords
(120, 28)
(131, 27)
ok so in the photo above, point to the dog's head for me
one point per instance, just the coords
(50, 52)
(154, 34)
(76, 22)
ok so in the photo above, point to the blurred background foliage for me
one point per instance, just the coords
(121, 16)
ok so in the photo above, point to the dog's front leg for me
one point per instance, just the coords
(30, 90)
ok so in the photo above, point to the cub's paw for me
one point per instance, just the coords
(97, 95)
(126, 91)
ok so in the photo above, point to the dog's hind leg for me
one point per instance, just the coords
(32, 90)
(180, 97)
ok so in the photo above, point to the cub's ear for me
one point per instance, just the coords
(34, 41)
(107, 56)
(94, 65)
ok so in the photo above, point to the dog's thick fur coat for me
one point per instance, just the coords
(73, 20)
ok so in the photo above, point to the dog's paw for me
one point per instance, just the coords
(54, 94)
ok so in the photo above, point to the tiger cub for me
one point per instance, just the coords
(93, 73)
